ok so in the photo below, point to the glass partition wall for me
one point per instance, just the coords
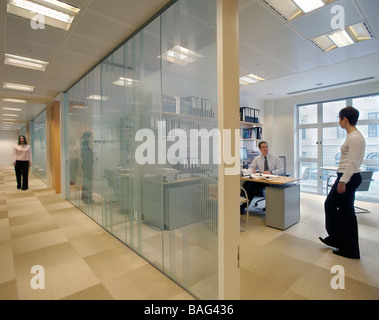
(137, 163)
(38, 145)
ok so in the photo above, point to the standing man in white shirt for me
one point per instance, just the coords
(266, 163)
(22, 160)
(340, 220)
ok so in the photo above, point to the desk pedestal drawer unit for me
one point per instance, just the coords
(282, 205)
(179, 199)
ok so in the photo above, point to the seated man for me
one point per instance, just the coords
(265, 163)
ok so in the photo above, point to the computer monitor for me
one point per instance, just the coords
(243, 154)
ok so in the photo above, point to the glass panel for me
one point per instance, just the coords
(153, 88)
(330, 110)
(189, 100)
(370, 163)
(308, 143)
(38, 145)
(113, 166)
(308, 114)
(308, 175)
(368, 107)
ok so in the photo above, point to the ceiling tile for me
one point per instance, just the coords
(278, 38)
(299, 50)
(255, 19)
(85, 46)
(370, 7)
(308, 63)
(29, 50)
(19, 28)
(374, 26)
(21, 75)
(108, 31)
(353, 51)
(130, 12)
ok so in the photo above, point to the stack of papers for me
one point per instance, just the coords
(246, 172)
(264, 176)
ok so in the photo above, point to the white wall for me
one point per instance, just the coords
(280, 118)
(7, 140)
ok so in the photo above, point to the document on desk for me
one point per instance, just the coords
(263, 176)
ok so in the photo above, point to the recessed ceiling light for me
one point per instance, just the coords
(10, 115)
(125, 82)
(24, 62)
(61, 18)
(250, 79)
(97, 97)
(12, 109)
(291, 9)
(309, 5)
(12, 100)
(340, 38)
(181, 55)
(15, 86)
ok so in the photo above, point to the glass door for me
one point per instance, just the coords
(309, 147)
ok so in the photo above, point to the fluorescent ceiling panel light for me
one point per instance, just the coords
(12, 100)
(12, 109)
(9, 120)
(24, 62)
(309, 5)
(97, 97)
(125, 82)
(341, 38)
(10, 115)
(20, 87)
(359, 32)
(63, 5)
(181, 55)
(28, 9)
(250, 79)
(285, 7)
(324, 43)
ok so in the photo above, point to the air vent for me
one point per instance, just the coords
(273, 9)
(331, 85)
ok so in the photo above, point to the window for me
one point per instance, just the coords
(320, 138)
(373, 128)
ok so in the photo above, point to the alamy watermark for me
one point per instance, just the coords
(179, 152)
(38, 281)
(338, 281)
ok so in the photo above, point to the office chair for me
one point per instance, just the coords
(364, 186)
(245, 200)
(283, 161)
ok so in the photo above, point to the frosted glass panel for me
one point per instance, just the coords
(189, 100)
(38, 145)
(133, 166)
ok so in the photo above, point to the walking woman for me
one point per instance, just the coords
(22, 160)
(340, 220)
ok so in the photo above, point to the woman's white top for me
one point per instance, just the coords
(352, 153)
(22, 153)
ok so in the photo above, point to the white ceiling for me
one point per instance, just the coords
(270, 46)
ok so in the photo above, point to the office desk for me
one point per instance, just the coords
(282, 201)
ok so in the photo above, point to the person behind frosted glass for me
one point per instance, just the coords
(22, 160)
(340, 220)
(86, 154)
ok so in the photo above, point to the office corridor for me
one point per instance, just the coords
(83, 261)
